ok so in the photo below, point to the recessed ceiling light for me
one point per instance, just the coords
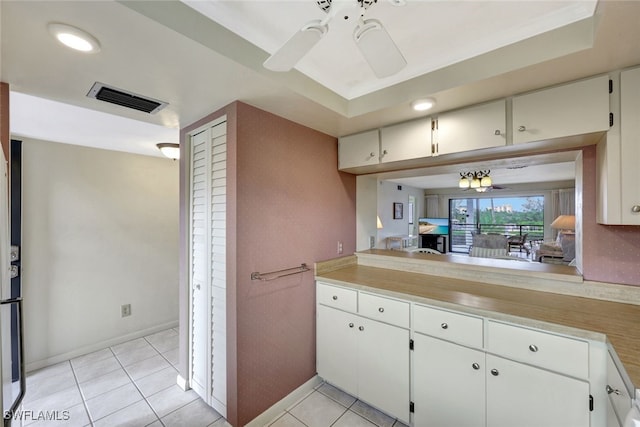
(74, 38)
(423, 104)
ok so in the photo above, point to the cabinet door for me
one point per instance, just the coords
(336, 344)
(383, 367)
(524, 396)
(449, 384)
(362, 149)
(572, 109)
(630, 146)
(473, 128)
(405, 141)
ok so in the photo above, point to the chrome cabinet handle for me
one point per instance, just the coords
(522, 128)
(497, 132)
(475, 366)
(495, 372)
(381, 309)
(361, 328)
(372, 154)
(611, 390)
(533, 348)
(335, 297)
(444, 326)
(635, 208)
(351, 325)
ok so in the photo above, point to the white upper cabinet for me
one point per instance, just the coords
(618, 155)
(482, 126)
(572, 109)
(362, 149)
(630, 145)
(410, 140)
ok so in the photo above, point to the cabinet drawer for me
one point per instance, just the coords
(565, 355)
(333, 296)
(617, 390)
(384, 309)
(456, 327)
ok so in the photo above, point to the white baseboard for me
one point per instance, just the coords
(37, 364)
(288, 401)
(182, 383)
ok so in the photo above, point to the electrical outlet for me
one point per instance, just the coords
(339, 247)
(372, 242)
(125, 310)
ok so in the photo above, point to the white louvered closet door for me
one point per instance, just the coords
(208, 265)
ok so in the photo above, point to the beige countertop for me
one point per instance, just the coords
(616, 322)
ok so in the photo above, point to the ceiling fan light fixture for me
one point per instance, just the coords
(285, 58)
(423, 104)
(486, 181)
(378, 48)
(74, 38)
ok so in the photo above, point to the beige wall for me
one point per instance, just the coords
(100, 229)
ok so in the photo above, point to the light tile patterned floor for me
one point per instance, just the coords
(134, 384)
(131, 384)
(327, 406)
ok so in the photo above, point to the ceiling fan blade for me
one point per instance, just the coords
(378, 48)
(285, 58)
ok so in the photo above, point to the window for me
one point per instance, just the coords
(511, 216)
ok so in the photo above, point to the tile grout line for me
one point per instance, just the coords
(84, 402)
(136, 386)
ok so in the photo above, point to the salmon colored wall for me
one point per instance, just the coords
(611, 253)
(293, 207)
(287, 204)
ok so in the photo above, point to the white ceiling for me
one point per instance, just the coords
(169, 51)
(426, 32)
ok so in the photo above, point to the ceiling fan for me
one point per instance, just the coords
(370, 36)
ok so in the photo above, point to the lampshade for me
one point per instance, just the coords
(564, 222)
(169, 149)
(475, 182)
(486, 181)
(464, 182)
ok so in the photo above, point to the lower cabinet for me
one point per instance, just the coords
(366, 358)
(463, 387)
(449, 384)
(525, 396)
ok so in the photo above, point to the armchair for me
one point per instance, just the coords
(562, 249)
(519, 242)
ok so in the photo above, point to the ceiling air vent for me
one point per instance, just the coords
(125, 98)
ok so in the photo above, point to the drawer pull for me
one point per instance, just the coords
(335, 297)
(381, 309)
(444, 326)
(475, 366)
(533, 348)
(361, 328)
(495, 372)
(351, 325)
(611, 390)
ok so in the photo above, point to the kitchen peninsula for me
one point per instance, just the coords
(583, 333)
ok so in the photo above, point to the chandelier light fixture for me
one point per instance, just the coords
(478, 180)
